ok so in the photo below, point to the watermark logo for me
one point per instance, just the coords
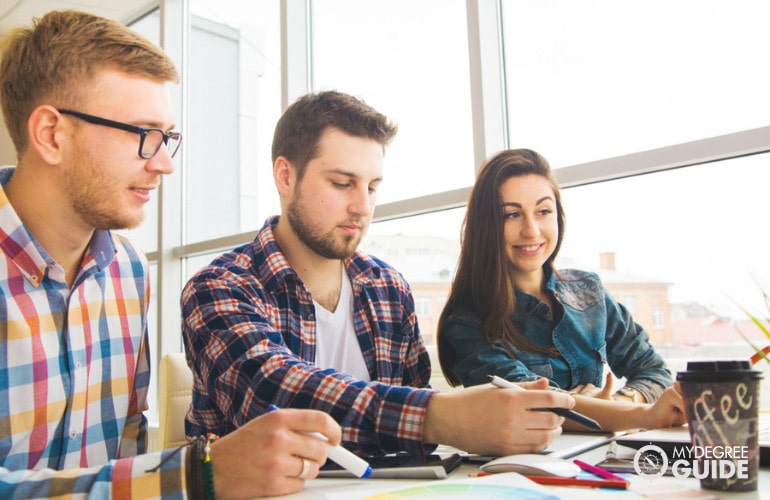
(730, 463)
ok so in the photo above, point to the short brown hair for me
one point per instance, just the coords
(302, 124)
(55, 58)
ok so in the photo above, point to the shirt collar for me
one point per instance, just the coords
(27, 254)
(272, 265)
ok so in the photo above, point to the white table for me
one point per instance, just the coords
(319, 488)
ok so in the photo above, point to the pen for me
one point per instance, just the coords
(570, 414)
(342, 456)
(573, 481)
(598, 471)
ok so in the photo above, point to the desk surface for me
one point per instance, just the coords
(361, 488)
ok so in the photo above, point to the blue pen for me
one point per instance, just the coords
(564, 412)
(342, 456)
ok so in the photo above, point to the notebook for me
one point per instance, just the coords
(673, 437)
(570, 444)
(567, 445)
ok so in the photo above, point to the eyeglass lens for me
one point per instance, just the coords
(153, 139)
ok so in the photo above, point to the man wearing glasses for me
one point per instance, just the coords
(86, 103)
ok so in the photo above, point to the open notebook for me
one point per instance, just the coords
(567, 445)
(673, 437)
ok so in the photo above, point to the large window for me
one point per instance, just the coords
(234, 102)
(601, 78)
(605, 90)
(410, 61)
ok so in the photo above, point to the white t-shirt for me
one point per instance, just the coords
(336, 343)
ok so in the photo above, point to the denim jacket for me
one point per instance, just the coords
(588, 328)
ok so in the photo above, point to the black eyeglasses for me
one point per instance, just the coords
(150, 138)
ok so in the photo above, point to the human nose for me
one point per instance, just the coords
(529, 228)
(161, 162)
(362, 202)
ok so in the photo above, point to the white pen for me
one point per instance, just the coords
(342, 456)
(564, 412)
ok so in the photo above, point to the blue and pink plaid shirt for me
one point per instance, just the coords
(250, 335)
(74, 372)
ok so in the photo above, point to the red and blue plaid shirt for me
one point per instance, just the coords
(250, 335)
(74, 372)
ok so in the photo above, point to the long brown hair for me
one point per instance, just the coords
(484, 280)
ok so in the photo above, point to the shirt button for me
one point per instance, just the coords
(78, 365)
(73, 434)
(311, 317)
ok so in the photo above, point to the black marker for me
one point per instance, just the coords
(564, 412)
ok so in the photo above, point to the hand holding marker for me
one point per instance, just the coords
(342, 456)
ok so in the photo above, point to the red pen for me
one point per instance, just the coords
(573, 481)
(597, 471)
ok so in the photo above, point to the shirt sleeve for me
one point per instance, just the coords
(247, 365)
(631, 355)
(134, 438)
(122, 479)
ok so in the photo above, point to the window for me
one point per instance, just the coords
(423, 307)
(657, 319)
(410, 61)
(600, 78)
(234, 104)
(601, 88)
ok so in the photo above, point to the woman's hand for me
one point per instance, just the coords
(592, 391)
(668, 410)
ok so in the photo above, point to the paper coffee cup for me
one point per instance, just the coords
(722, 404)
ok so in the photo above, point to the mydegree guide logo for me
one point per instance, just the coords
(701, 462)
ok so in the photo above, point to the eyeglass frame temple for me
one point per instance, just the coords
(141, 131)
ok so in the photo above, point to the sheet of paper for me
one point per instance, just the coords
(504, 486)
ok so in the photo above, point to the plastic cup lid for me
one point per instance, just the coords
(718, 370)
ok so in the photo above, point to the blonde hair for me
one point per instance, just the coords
(54, 60)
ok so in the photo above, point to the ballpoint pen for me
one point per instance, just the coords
(564, 412)
(342, 456)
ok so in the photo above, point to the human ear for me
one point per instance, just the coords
(46, 137)
(284, 175)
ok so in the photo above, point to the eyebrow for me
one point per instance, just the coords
(518, 205)
(160, 126)
(352, 175)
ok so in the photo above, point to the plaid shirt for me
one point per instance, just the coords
(74, 371)
(250, 334)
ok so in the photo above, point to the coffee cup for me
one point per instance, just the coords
(722, 405)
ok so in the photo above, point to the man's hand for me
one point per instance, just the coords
(266, 456)
(492, 421)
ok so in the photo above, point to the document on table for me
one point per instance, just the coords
(504, 486)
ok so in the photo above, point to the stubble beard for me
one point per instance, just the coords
(93, 197)
(324, 244)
